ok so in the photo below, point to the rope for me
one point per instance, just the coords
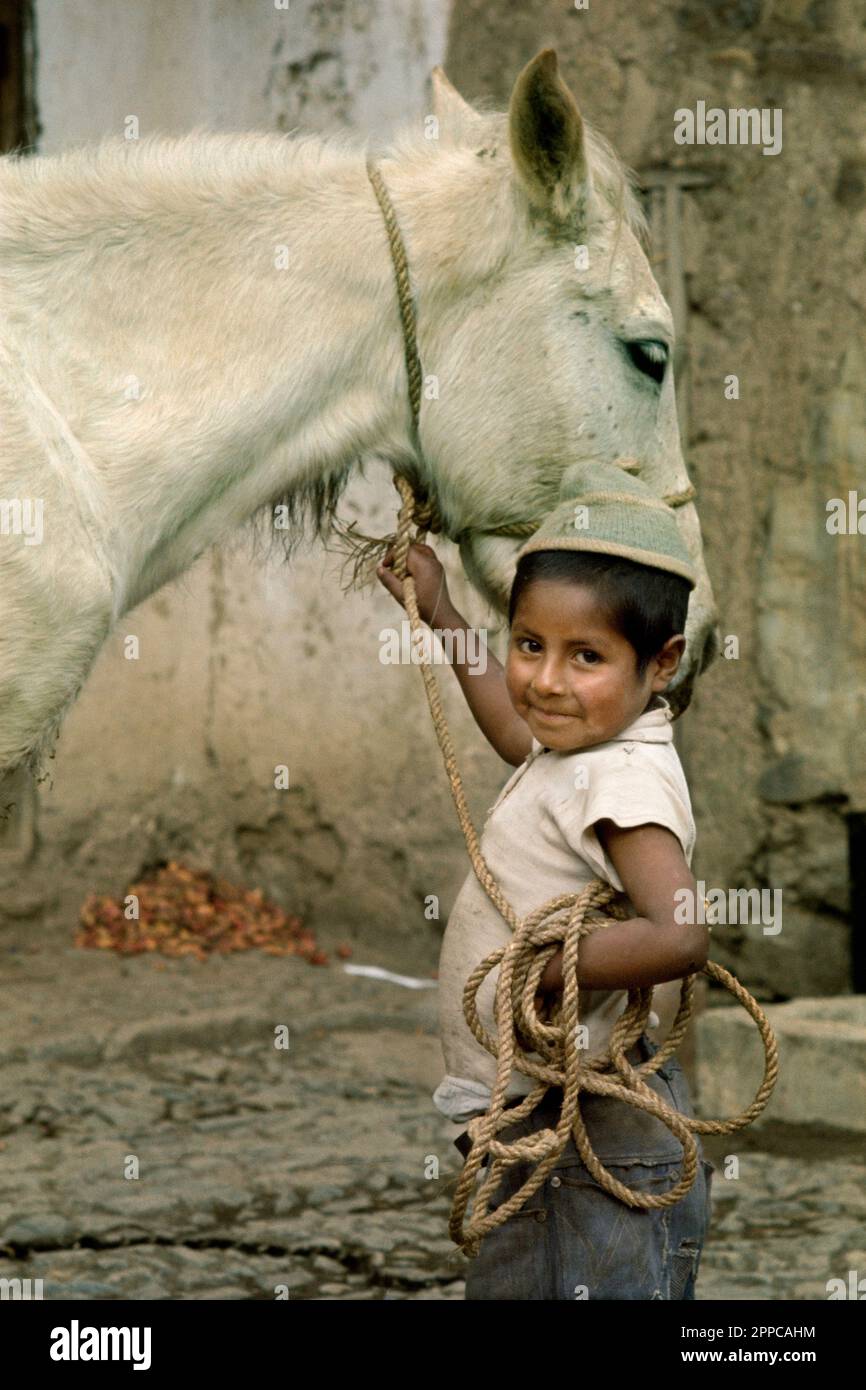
(404, 292)
(564, 920)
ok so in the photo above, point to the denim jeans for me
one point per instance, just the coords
(572, 1239)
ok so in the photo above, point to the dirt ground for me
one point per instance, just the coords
(304, 1168)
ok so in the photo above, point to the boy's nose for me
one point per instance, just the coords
(549, 679)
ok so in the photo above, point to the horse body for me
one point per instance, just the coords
(193, 327)
(161, 379)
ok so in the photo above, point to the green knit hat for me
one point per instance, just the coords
(607, 510)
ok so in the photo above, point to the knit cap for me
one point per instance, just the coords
(606, 509)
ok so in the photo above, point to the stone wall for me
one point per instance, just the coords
(774, 743)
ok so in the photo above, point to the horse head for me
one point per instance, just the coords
(544, 337)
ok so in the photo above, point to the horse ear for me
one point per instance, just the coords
(547, 140)
(455, 116)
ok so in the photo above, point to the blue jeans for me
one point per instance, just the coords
(572, 1239)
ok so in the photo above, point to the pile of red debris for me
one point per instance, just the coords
(182, 912)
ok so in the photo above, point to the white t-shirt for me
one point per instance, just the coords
(539, 842)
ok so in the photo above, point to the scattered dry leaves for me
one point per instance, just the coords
(184, 912)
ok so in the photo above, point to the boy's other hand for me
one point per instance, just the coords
(430, 587)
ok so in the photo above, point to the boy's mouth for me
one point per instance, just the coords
(550, 716)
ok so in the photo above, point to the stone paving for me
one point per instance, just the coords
(301, 1171)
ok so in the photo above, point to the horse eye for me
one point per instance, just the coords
(649, 356)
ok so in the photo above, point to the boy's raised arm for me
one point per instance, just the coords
(482, 679)
(483, 683)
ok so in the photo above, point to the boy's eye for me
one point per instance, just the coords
(529, 643)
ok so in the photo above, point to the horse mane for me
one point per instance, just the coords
(196, 166)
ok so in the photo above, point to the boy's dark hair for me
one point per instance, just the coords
(644, 605)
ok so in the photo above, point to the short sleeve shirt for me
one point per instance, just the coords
(539, 841)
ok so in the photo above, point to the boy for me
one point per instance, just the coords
(597, 611)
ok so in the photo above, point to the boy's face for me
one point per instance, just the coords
(565, 660)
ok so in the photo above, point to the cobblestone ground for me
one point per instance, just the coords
(303, 1167)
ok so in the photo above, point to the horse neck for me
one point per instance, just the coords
(234, 346)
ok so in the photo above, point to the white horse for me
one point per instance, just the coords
(194, 329)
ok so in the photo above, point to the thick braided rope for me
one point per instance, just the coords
(556, 1061)
(404, 288)
(520, 1031)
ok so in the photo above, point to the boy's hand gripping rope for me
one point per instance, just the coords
(549, 1051)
